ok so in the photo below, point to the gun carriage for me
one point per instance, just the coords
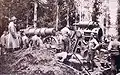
(82, 31)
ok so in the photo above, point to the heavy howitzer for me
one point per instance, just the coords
(40, 31)
(47, 34)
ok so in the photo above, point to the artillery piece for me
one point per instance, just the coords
(97, 31)
(47, 34)
(40, 31)
(85, 29)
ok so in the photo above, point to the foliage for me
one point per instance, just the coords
(96, 12)
(63, 6)
(118, 17)
(24, 11)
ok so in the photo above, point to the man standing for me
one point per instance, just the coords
(114, 52)
(93, 45)
(3, 40)
(19, 38)
(66, 37)
(25, 41)
(12, 36)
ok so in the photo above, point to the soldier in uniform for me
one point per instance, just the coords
(36, 41)
(19, 37)
(3, 40)
(12, 36)
(114, 52)
(93, 45)
(0, 47)
(25, 41)
(66, 37)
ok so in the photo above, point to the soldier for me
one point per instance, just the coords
(66, 30)
(19, 37)
(25, 41)
(3, 40)
(93, 45)
(0, 47)
(61, 56)
(66, 38)
(36, 41)
(60, 45)
(12, 36)
(114, 52)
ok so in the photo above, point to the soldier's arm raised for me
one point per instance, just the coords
(96, 44)
(109, 46)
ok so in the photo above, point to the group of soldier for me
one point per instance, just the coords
(96, 50)
(12, 40)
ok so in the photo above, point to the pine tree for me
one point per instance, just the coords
(118, 17)
(96, 12)
(24, 11)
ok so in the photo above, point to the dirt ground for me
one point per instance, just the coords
(38, 61)
(29, 61)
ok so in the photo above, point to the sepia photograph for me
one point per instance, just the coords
(59, 37)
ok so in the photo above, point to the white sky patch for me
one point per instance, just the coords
(112, 32)
(44, 1)
(113, 5)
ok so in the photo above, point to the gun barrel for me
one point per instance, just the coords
(40, 31)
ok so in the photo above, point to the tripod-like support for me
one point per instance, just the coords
(77, 57)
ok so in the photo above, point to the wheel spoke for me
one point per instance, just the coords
(50, 40)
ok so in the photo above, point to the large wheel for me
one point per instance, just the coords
(50, 40)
